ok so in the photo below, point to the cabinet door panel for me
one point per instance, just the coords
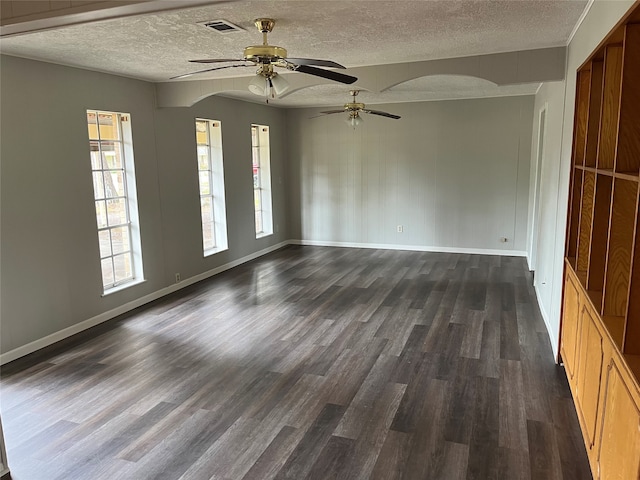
(591, 355)
(570, 319)
(619, 456)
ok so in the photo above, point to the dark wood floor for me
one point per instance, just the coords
(310, 362)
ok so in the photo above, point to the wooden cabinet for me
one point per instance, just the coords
(619, 452)
(570, 329)
(600, 336)
(589, 376)
(604, 385)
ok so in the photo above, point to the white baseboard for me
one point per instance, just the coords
(413, 248)
(103, 317)
(552, 335)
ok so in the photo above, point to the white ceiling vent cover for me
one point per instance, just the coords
(221, 26)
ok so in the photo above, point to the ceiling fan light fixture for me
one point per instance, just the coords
(269, 85)
(259, 85)
(354, 120)
(279, 84)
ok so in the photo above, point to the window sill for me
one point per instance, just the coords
(213, 251)
(124, 286)
(264, 234)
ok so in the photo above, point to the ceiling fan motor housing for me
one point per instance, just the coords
(264, 53)
(353, 108)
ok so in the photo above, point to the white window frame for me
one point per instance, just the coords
(209, 155)
(132, 223)
(261, 156)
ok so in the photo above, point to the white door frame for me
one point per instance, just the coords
(535, 218)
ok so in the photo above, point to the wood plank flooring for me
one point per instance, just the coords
(307, 363)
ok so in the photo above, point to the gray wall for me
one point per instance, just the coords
(454, 174)
(50, 271)
(179, 182)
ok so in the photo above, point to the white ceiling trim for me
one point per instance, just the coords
(583, 15)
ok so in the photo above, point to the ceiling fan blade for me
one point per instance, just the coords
(328, 112)
(319, 72)
(218, 60)
(317, 63)
(207, 70)
(382, 114)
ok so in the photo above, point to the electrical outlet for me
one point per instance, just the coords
(177, 278)
(400, 229)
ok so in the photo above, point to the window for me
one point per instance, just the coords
(211, 180)
(114, 190)
(261, 180)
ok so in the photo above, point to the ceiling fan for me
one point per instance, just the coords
(267, 82)
(354, 109)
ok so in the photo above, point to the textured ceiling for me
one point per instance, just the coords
(355, 33)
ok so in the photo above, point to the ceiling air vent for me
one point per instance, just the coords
(221, 26)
